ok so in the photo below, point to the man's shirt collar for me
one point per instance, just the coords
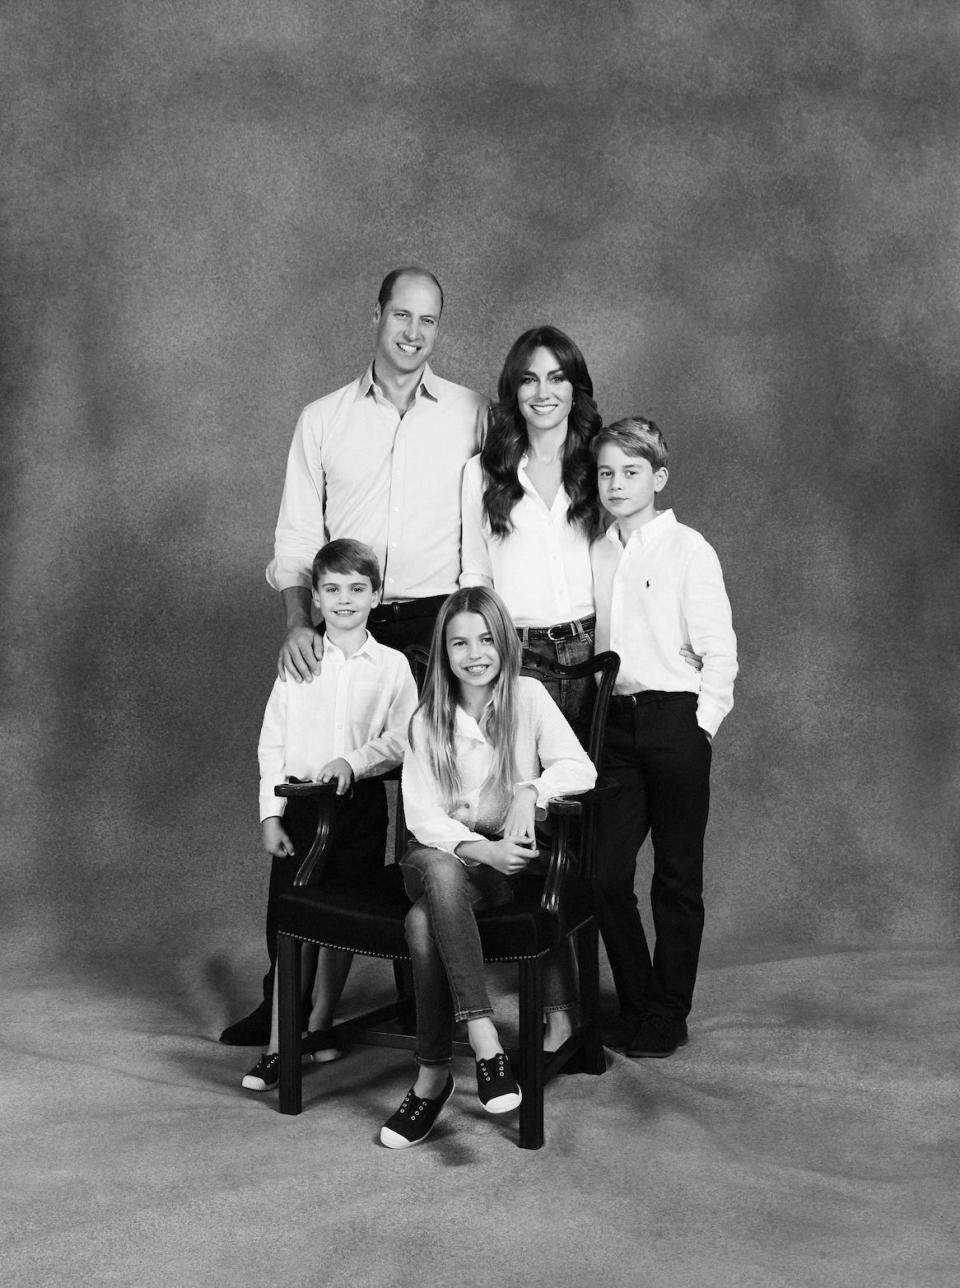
(429, 386)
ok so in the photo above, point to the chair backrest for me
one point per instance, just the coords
(604, 668)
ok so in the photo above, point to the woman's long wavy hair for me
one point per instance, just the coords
(506, 438)
(438, 703)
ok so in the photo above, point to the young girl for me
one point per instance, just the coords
(487, 749)
(530, 506)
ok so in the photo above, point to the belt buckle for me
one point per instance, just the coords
(556, 639)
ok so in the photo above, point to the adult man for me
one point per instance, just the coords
(379, 461)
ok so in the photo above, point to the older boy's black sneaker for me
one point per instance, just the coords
(415, 1119)
(657, 1037)
(496, 1085)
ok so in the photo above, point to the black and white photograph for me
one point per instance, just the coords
(480, 692)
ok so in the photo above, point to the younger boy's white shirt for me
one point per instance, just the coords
(357, 708)
(548, 757)
(660, 592)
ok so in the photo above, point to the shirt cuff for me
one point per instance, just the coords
(283, 572)
(709, 716)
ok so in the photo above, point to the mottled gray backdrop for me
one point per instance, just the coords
(746, 214)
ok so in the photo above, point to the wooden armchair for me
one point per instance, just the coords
(546, 910)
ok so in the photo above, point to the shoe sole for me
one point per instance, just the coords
(393, 1140)
(655, 1055)
(503, 1104)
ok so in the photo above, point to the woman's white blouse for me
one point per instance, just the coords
(541, 570)
(548, 757)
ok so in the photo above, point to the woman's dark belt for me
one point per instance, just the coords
(561, 631)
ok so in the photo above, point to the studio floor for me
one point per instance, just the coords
(807, 1136)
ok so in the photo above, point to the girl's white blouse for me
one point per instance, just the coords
(548, 756)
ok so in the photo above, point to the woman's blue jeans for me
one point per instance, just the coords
(573, 697)
(444, 941)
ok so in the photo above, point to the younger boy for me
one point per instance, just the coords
(349, 723)
(659, 589)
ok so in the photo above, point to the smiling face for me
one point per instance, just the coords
(472, 654)
(544, 395)
(345, 600)
(628, 486)
(407, 325)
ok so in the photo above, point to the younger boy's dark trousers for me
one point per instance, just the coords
(356, 851)
(661, 758)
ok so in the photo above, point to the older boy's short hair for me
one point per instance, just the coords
(343, 556)
(636, 436)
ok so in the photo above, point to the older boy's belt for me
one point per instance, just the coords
(562, 630)
(400, 610)
(621, 702)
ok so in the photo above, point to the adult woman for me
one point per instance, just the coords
(530, 507)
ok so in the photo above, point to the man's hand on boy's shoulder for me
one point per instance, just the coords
(300, 653)
(339, 771)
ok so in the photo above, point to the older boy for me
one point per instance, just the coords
(659, 589)
(348, 724)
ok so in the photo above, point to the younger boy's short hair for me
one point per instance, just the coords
(343, 556)
(636, 436)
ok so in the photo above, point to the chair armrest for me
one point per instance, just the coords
(573, 804)
(311, 869)
(563, 809)
(323, 789)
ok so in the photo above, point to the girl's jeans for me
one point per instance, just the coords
(444, 942)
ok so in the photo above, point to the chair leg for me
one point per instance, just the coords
(531, 1053)
(588, 949)
(406, 1005)
(288, 1000)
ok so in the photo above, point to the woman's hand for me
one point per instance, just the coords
(275, 839)
(521, 816)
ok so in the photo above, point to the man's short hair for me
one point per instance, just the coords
(346, 556)
(390, 281)
(635, 436)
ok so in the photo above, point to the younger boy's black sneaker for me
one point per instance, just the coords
(496, 1085)
(657, 1037)
(415, 1119)
(266, 1072)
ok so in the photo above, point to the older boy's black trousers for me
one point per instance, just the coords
(661, 758)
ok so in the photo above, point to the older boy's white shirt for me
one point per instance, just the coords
(548, 757)
(356, 468)
(541, 570)
(358, 708)
(662, 591)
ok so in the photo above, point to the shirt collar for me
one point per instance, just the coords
(561, 499)
(651, 531)
(429, 385)
(467, 727)
(369, 648)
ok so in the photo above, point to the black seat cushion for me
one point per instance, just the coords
(370, 920)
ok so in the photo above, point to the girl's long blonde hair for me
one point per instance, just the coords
(438, 703)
